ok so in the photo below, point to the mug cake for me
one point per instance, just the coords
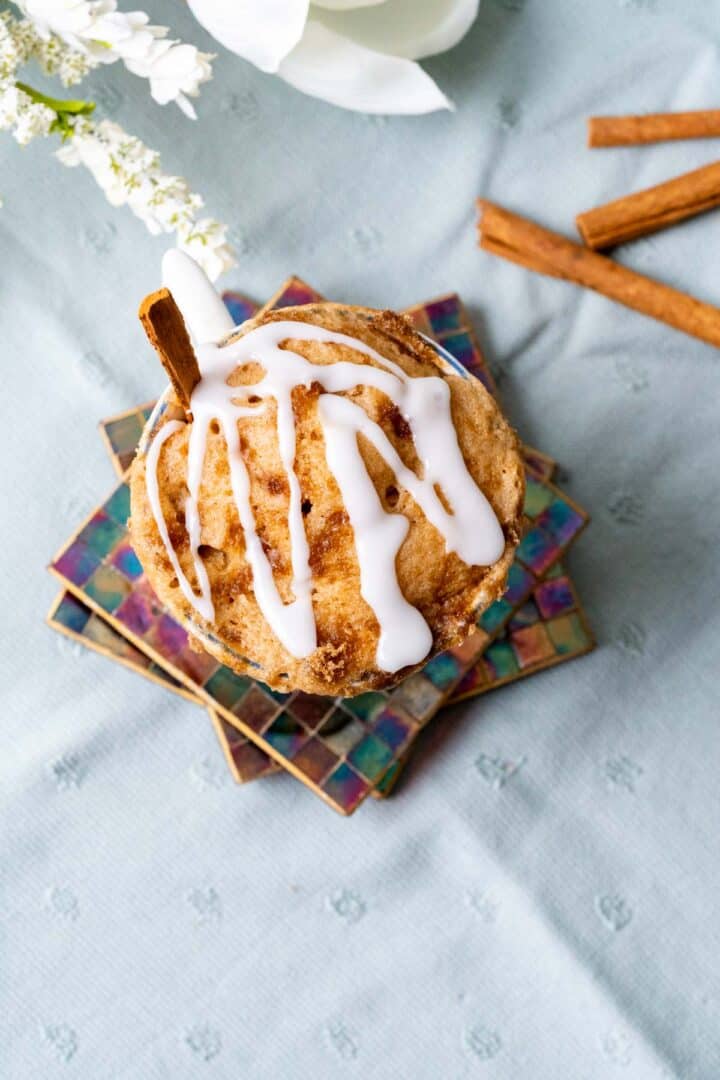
(334, 505)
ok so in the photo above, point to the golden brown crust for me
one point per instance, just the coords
(447, 591)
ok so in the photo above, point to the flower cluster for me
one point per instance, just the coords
(67, 38)
(21, 41)
(26, 117)
(96, 30)
(129, 173)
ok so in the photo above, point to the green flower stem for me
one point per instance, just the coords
(65, 110)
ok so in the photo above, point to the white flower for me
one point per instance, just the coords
(21, 41)
(129, 173)
(206, 242)
(103, 34)
(174, 71)
(56, 58)
(26, 117)
(33, 120)
(10, 54)
(18, 42)
(93, 26)
(359, 54)
(68, 38)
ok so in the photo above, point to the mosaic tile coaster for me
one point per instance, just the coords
(69, 616)
(339, 748)
(246, 761)
(547, 630)
(443, 318)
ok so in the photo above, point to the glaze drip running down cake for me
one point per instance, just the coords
(339, 506)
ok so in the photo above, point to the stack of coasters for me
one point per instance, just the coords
(343, 749)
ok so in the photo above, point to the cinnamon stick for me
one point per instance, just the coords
(521, 241)
(652, 209)
(652, 128)
(165, 327)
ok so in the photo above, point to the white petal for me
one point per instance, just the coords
(186, 106)
(343, 5)
(329, 66)
(405, 27)
(261, 31)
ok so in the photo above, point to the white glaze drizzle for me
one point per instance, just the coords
(200, 603)
(471, 530)
(205, 315)
(378, 537)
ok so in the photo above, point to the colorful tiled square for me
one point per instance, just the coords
(121, 435)
(315, 759)
(69, 615)
(569, 634)
(286, 735)
(227, 688)
(258, 708)
(101, 534)
(371, 757)
(394, 727)
(341, 732)
(127, 562)
(77, 563)
(344, 787)
(531, 644)
(245, 760)
(558, 631)
(418, 696)
(553, 597)
(108, 588)
(239, 306)
(565, 635)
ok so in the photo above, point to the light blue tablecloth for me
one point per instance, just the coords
(157, 921)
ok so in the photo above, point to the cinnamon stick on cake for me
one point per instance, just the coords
(167, 333)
